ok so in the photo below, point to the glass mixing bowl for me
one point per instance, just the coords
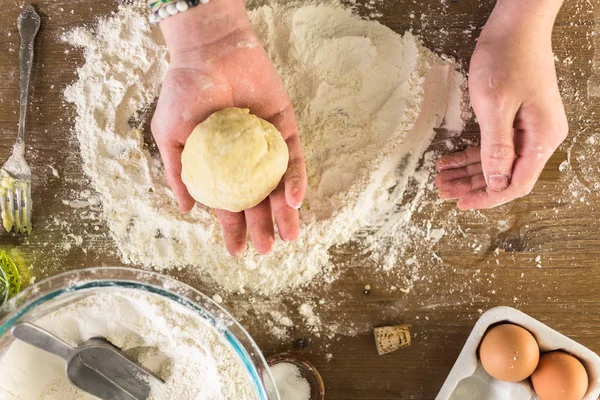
(53, 293)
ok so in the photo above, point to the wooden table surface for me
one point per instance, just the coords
(538, 254)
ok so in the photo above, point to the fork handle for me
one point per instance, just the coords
(28, 24)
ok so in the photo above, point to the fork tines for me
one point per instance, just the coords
(15, 201)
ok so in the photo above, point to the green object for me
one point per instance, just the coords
(10, 278)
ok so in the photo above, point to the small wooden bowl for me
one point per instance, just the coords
(308, 371)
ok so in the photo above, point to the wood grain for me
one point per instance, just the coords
(492, 262)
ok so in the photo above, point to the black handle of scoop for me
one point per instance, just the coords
(42, 339)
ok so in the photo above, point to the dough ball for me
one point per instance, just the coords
(233, 160)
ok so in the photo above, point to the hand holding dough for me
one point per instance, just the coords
(233, 160)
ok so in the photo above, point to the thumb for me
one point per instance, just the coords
(171, 156)
(497, 148)
(295, 176)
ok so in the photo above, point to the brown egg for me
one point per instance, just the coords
(559, 376)
(509, 353)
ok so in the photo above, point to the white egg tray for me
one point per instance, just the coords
(469, 381)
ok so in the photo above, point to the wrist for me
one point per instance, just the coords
(527, 21)
(208, 25)
(539, 13)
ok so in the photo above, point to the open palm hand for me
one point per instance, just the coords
(233, 72)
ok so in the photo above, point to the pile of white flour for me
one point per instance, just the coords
(173, 342)
(367, 101)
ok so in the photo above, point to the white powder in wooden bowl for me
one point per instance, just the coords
(290, 382)
(367, 101)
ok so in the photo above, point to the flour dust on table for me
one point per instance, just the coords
(189, 355)
(367, 101)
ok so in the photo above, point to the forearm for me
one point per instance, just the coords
(203, 26)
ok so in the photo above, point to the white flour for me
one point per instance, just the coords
(367, 102)
(186, 352)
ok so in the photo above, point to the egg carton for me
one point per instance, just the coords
(469, 381)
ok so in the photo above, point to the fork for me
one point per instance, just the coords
(15, 175)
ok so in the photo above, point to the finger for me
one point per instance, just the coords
(233, 226)
(496, 122)
(461, 187)
(486, 198)
(472, 155)
(527, 170)
(287, 218)
(536, 142)
(171, 157)
(480, 199)
(295, 176)
(540, 132)
(259, 220)
(457, 173)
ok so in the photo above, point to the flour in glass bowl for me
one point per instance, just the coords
(191, 356)
(367, 101)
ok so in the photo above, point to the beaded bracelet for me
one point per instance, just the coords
(163, 9)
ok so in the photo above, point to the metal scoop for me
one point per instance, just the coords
(97, 366)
